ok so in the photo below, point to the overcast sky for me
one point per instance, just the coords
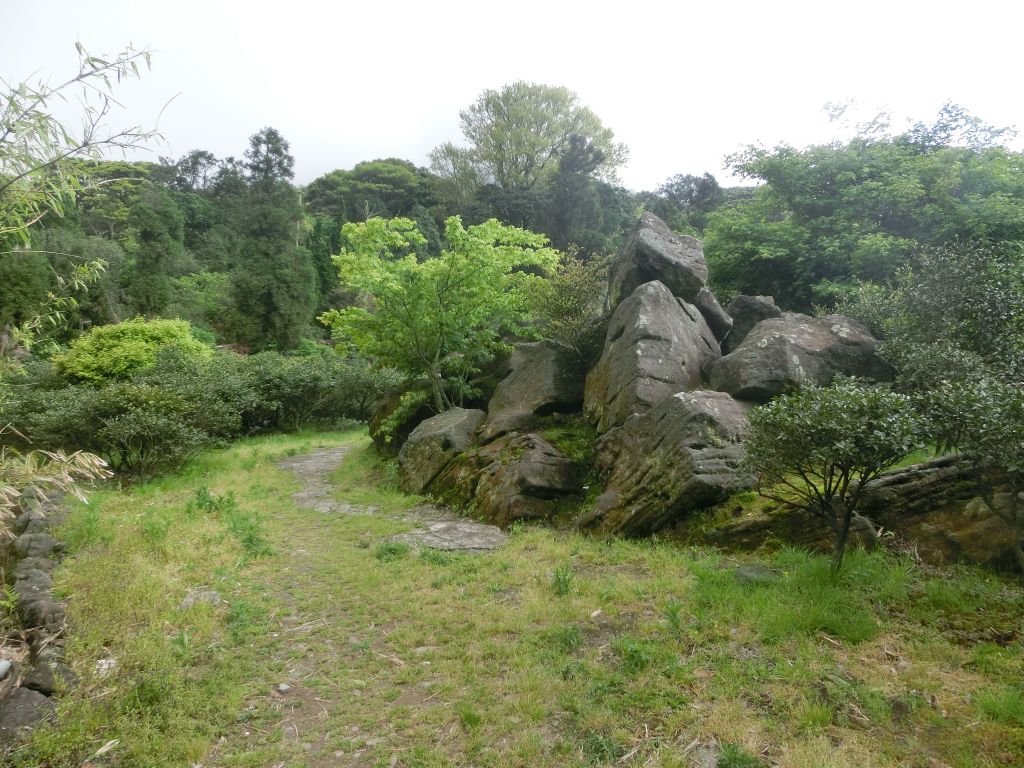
(682, 84)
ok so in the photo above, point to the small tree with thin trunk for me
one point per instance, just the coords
(982, 418)
(821, 449)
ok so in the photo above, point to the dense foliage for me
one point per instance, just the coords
(154, 419)
(827, 216)
(438, 319)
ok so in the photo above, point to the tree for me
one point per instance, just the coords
(518, 134)
(40, 173)
(571, 306)
(273, 283)
(820, 449)
(694, 196)
(440, 319)
(826, 217)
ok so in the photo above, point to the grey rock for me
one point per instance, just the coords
(544, 379)
(459, 535)
(782, 353)
(655, 252)
(47, 678)
(756, 574)
(22, 709)
(526, 474)
(433, 444)
(33, 565)
(207, 596)
(746, 312)
(657, 345)
(718, 319)
(682, 455)
(36, 545)
(5, 667)
(283, 688)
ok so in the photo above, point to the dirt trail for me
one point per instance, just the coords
(437, 528)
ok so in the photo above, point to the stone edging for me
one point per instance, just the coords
(27, 689)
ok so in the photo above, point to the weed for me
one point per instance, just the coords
(601, 749)
(468, 716)
(812, 714)
(673, 613)
(154, 526)
(247, 528)
(561, 580)
(86, 529)
(1003, 705)
(735, 756)
(389, 551)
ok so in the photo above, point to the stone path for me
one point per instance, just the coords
(438, 528)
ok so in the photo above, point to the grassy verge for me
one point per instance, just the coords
(557, 650)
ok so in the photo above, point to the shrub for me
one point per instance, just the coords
(570, 306)
(112, 352)
(139, 429)
(821, 448)
(983, 418)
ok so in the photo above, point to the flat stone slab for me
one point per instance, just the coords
(457, 535)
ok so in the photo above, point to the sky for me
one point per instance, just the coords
(682, 84)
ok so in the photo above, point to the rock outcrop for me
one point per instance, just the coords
(684, 454)
(930, 507)
(718, 320)
(433, 444)
(746, 312)
(784, 352)
(657, 345)
(655, 252)
(544, 379)
(528, 473)
(511, 478)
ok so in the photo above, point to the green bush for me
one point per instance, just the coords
(821, 448)
(141, 430)
(160, 417)
(113, 352)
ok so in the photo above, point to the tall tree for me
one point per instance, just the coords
(274, 285)
(518, 134)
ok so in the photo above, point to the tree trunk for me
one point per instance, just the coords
(843, 514)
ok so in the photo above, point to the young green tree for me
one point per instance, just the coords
(440, 319)
(821, 448)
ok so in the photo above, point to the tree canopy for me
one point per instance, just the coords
(439, 319)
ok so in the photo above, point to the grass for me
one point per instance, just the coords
(557, 650)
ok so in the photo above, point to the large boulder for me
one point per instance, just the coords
(719, 321)
(433, 444)
(657, 345)
(527, 474)
(746, 312)
(514, 477)
(685, 454)
(544, 379)
(655, 252)
(784, 352)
